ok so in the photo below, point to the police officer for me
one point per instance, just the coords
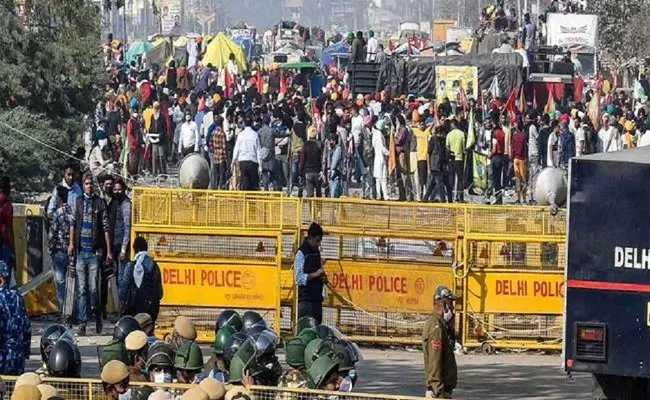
(51, 334)
(438, 344)
(214, 389)
(15, 327)
(113, 350)
(137, 347)
(217, 366)
(296, 377)
(188, 363)
(184, 331)
(160, 363)
(147, 326)
(64, 360)
(115, 380)
(309, 275)
(124, 326)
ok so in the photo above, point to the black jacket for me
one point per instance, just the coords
(100, 221)
(437, 153)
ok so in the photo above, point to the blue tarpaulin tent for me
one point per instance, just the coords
(337, 49)
(137, 49)
(246, 44)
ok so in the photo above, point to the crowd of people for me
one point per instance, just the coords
(134, 365)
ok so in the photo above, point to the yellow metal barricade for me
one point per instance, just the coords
(514, 286)
(92, 389)
(383, 261)
(217, 250)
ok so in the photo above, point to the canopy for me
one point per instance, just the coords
(220, 49)
(246, 44)
(337, 49)
(300, 66)
(137, 49)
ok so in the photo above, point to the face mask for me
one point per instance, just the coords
(448, 314)
(162, 377)
(126, 395)
(346, 385)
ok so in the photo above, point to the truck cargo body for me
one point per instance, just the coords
(607, 302)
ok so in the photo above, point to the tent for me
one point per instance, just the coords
(220, 49)
(335, 50)
(246, 43)
(137, 49)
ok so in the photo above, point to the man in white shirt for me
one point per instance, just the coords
(372, 47)
(579, 133)
(247, 156)
(553, 146)
(189, 137)
(613, 140)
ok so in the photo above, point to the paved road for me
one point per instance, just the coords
(400, 371)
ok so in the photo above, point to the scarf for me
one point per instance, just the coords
(138, 270)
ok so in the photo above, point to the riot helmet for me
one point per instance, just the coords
(326, 332)
(229, 318)
(189, 357)
(295, 353)
(244, 360)
(323, 371)
(160, 354)
(64, 360)
(315, 349)
(266, 342)
(124, 326)
(233, 344)
(306, 322)
(257, 329)
(342, 356)
(49, 337)
(113, 350)
(222, 337)
(307, 335)
(251, 319)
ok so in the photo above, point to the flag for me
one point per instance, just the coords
(494, 87)
(523, 107)
(550, 104)
(283, 83)
(425, 43)
(480, 171)
(639, 93)
(391, 46)
(392, 163)
(510, 103)
(535, 99)
(228, 81)
(260, 82)
(593, 109)
(471, 131)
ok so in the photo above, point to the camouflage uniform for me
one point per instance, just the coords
(15, 328)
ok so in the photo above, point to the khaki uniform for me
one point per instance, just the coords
(439, 359)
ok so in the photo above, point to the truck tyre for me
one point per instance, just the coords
(611, 387)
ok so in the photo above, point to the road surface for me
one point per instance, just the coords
(501, 376)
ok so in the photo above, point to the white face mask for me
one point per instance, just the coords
(162, 377)
(126, 395)
(448, 314)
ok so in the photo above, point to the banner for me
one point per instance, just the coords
(515, 292)
(386, 287)
(576, 31)
(451, 81)
(170, 16)
(479, 169)
(219, 285)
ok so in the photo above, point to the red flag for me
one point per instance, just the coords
(228, 81)
(523, 107)
(283, 83)
(510, 103)
(391, 46)
(260, 82)
(425, 43)
(416, 42)
(550, 104)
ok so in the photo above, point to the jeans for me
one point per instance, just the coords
(497, 177)
(60, 261)
(218, 176)
(310, 309)
(296, 179)
(336, 188)
(158, 160)
(87, 283)
(436, 186)
(404, 177)
(312, 182)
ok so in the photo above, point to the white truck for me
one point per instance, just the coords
(576, 32)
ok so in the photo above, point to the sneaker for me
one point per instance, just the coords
(81, 330)
(99, 325)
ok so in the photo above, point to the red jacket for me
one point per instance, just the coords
(133, 132)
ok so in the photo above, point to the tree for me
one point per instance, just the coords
(51, 72)
(618, 39)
